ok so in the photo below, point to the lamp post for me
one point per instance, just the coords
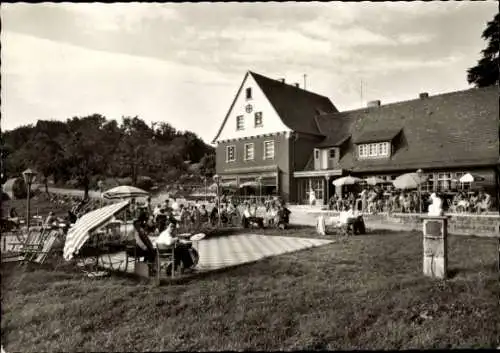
(419, 174)
(205, 180)
(259, 180)
(100, 184)
(217, 182)
(28, 176)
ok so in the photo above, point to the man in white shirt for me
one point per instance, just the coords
(182, 251)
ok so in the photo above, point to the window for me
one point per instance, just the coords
(249, 151)
(258, 119)
(316, 153)
(230, 153)
(331, 153)
(374, 150)
(268, 149)
(444, 180)
(249, 93)
(240, 122)
(428, 186)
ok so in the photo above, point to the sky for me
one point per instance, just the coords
(183, 63)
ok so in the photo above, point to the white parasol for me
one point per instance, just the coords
(470, 178)
(409, 181)
(124, 192)
(348, 180)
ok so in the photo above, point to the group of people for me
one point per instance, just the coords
(375, 200)
(192, 217)
(471, 202)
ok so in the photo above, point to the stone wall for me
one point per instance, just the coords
(479, 225)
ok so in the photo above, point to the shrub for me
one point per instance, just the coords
(145, 183)
(19, 189)
(125, 181)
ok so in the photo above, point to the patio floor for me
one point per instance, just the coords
(221, 252)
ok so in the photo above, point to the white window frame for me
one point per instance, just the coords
(255, 120)
(264, 149)
(334, 153)
(245, 156)
(240, 118)
(227, 153)
(374, 150)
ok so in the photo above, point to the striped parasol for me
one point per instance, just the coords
(124, 192)
(79, 233)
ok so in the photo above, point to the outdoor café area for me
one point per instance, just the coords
(406, 194)
(122, 233)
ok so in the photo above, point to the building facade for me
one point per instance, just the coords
(297, 141)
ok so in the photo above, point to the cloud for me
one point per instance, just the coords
(183, 62)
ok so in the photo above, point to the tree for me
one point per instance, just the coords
(486, 72)
(84, 150)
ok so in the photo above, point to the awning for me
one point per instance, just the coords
(377, 136)
(79, 233)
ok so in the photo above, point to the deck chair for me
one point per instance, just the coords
(33, 242)
(47, 248)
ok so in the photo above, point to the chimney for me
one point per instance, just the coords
(282, 80)
(297, 85)
(424, 95)
(372, 104)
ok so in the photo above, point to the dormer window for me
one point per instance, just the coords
(240, 122)
(249, 93)
(374, 150)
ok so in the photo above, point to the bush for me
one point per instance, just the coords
(19, 189)
(145, 183)
(125, 181)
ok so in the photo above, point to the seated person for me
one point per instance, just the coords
(283, 217)
(249, 218)
(203, 214)
(182, 251)
(214, 214)
(13, 216)
(161, 221)
(143, 246)
(49, 222)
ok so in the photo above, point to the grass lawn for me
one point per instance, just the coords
(364, 292)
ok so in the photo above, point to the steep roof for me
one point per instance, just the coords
(452, 129)
(296, 107)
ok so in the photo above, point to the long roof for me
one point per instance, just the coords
(296, 107)
(452, 129)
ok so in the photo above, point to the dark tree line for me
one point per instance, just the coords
(486, 72)
(85, 149)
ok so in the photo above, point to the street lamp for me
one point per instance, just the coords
(419, 174)
(217, 181)
(259, 180)
(100, 184)
(205, 180)
(28, 176)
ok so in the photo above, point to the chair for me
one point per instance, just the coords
(155, 259)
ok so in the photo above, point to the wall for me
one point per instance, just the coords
(301, 150)
(478, 225)
(281, 158)
(271, 122)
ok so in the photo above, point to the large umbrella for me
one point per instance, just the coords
(376, 181)
(80, 232)
(409, 181)
(124, 192)
(348, 180)
(470, 178)
(252, 184)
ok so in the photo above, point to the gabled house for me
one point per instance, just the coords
(296, 140)
(269, 132)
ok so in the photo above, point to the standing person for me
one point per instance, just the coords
(364, 200)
